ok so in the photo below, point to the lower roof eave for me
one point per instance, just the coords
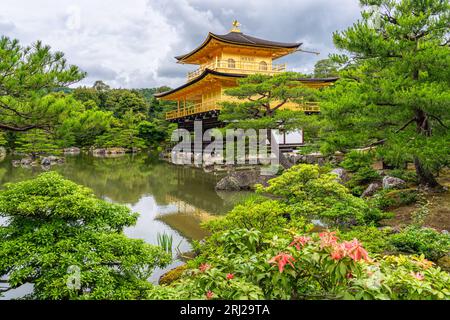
(207, 72)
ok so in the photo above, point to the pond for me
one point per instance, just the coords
(170, 199)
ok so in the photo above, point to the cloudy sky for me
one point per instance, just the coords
(132, 44)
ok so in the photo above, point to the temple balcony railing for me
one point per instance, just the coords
(239, 67)
(214, 104)
(194, 108)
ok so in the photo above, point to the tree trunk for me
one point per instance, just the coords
(425, 176)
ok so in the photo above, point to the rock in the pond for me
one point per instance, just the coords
(109, 151)
(46, 161)
(341, 174)
(228, 183)
(26, 161)
(51, 160)
(99, 151)
(371, 189)
(393, 183)
(72, 150)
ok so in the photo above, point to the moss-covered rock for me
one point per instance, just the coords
(172, 275)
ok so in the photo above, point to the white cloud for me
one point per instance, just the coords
(132, 43)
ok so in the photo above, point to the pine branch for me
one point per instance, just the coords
(17, 128)
(406, 125)
(438, 120)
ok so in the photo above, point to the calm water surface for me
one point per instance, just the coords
(170, 199)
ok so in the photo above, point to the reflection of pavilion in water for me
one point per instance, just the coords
(184, 218)
(192, 200)
(195, 188)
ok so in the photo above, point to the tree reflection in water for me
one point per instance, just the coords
(177, 197)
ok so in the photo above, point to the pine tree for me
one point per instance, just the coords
(395, 88)
(259, 102)
(27, 75)
(35, 142)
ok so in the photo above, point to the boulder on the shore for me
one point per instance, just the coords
(313, 158)
(371, 189)
(295, 157)
(242, 180)
(228, 183)
(393, 183)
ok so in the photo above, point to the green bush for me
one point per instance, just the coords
(381, 201)
(432, 244)
(357, 190)
(58, 232)
(404, 197)
(363, 176)
(385, 199)
(265, 216)
(373, 239)
(355, 160)
(313, 192)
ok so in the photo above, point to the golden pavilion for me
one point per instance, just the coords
(222, 60)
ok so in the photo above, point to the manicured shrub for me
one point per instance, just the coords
(373, 239)
(363, 176)
(69, 244)
(355, 160)
(313, 192)
(385, 199)
(264, 215)
(432, 244)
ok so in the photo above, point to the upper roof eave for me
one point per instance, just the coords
(238, 38)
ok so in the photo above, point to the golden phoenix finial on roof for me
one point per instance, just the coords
(236, 26)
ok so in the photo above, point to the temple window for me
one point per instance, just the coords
(263, 66)
(231, 63)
